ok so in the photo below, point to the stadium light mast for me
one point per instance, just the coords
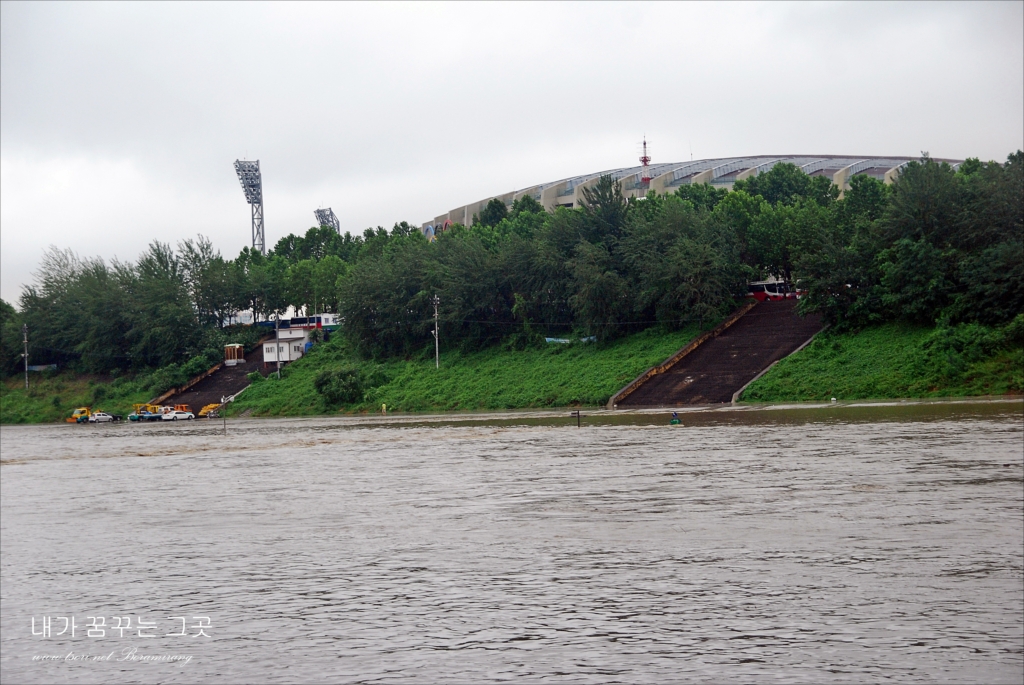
(645, 163)
(252, 184)
(326, 218)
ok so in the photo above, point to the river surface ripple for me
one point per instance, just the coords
(838, 545)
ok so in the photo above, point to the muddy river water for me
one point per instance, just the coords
(809, 544)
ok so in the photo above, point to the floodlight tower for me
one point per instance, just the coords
(645, 163)
(326, 217)
(252, 183)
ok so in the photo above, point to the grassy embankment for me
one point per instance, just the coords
(553, 376)
(52, 397)
(891, 361)
(900, 361)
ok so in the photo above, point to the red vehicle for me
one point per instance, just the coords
(773, 290)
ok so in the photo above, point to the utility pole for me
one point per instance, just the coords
(437, 347)
(24, 335)
(277, 342)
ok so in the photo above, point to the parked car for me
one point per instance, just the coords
(175, 415)
(100, 417)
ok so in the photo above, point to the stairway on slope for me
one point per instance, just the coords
(724, 364)
(226, 381)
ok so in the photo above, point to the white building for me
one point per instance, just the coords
(289, 345)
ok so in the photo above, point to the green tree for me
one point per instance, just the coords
(604, 209)
(326, 278)
(163, 327)
(784, 182)
(10, 339)
(380, 300)
(600, 298)
(779, 236)
(300, 285)
(526, 205)
(493, 213)
(701, 195)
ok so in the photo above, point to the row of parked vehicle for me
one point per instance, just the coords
(143, 412)
(153, 412)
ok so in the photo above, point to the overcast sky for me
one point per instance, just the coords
(119, 122)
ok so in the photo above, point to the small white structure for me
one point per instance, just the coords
(289, 346)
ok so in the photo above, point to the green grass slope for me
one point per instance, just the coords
(894, 361)
(52, 397)
(553, 376)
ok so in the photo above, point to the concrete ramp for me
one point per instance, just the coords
(723, 364)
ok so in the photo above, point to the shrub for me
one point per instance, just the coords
(337, 386)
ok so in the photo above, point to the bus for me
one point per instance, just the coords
(773, 290)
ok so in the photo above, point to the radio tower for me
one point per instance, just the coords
(645, 163)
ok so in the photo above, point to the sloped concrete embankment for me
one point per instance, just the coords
(219, 382)
(714, 367)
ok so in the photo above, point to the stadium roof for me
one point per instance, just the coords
(665, 178)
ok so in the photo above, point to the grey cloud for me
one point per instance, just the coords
(402, 111)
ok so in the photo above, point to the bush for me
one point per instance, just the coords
(254, 377)
(338, 386)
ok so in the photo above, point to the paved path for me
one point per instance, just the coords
(721, 366)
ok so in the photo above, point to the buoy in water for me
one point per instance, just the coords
(675, 419)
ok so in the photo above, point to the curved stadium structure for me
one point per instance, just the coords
(665, 178)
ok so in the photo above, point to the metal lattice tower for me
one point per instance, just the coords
(326, 218)
(645, 161)
(252, 183)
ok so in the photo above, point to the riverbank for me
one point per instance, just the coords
(555, 375)
(887, 362)
(899, 361)
(883, 363)
(52, 397)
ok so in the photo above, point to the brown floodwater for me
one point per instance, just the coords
(880, 542)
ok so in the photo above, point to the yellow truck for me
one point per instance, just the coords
(205, 411)
(145, 412)
(80, 415)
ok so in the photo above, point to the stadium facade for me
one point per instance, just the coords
(666, 178)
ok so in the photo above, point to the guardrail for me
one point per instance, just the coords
(674, 359)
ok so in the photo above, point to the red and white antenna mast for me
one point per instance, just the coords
(645, 163)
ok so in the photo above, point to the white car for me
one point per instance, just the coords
(175, 415)
(100, 417)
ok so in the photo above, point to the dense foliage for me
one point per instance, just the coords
(937, 246)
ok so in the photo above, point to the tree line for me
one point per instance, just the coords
(936, 246)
